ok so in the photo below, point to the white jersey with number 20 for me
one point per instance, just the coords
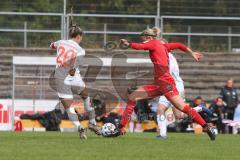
(67, 52)
(68, 56)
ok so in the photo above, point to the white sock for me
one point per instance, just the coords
(72, 115)
(162, 124)
(86, 103)
(93, 121)
(90, 110)
(131, 127)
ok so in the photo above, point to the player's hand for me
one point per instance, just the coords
(197, 56)
(125, 42)
(52, 45)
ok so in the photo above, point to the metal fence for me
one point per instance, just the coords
(225, 28)
(223, 36)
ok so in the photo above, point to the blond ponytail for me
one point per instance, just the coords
(156, 30)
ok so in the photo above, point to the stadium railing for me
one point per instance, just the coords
(220, 37)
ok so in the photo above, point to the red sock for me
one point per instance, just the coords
(127, 112)
(194, 115)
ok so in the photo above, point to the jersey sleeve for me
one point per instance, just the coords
(81, 52)
(142, 46)
(175, 45)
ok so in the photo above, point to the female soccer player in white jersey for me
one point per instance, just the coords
(164, 104)
(68, 79)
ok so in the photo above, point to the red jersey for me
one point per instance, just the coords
(158, 53)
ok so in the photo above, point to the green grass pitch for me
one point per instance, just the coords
(143, 146)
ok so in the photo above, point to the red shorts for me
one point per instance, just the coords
(159, 88)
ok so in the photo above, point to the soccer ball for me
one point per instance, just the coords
(108, 129)
(215, 131)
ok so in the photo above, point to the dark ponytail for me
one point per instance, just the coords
(74, 31)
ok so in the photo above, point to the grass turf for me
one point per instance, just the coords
(67, 146)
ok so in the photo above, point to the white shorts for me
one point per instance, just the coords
(163, 100)
(69, 86)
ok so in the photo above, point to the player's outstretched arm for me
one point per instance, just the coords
(137, 46)
(171, 46)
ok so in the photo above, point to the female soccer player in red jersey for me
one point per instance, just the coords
(163, 81)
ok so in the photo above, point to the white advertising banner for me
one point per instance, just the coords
(5, 114)
(22, 106)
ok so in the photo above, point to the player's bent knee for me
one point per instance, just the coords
(66, 102)
(132, 98)
(84, 93)
(161, 109)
